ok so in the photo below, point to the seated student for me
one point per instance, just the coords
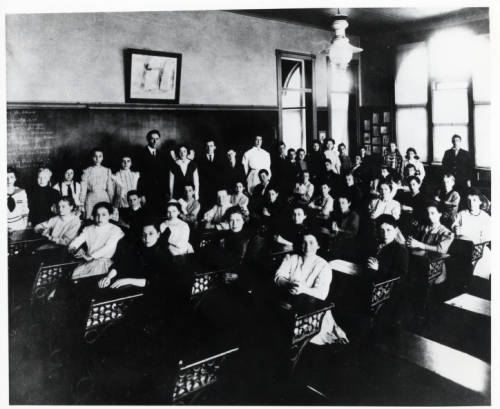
(214, 218)
(449, 198)
(473, 224)
(331, 178)
(323, 203)
(101, 239)
(302, 164)
(260, 192)
(432, 235)
(390, 258)
(304, 272)
(17, 203)
(42, 197)
(384, 204)
(345, 160)
(63, 228)
(354, 191)
(162, 309)
(190, 206)
(239, 198)
(345, 220)
(125, 181)
(304, 189)
(175, 231)
(69, 187)
(273, 208)
(133, 215)
(413, 202)
(289, 233)
(409, 172)
(316, 163)
(383, 176)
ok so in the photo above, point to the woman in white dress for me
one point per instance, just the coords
(474, 224)
(97, 184)
(125, 181)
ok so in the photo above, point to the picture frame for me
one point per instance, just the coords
(383, 129)
(375, 131)
(321, 136)
(387, 117)
(376, 149)
(375, 118)
(368, 149)
(366, 137)
(367, 124)
(152, 76)
(376, 140)
(385, 139)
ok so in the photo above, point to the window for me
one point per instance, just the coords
(411, 98)
(445, 80)
(297, 113)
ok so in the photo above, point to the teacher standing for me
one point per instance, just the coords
(253, 161)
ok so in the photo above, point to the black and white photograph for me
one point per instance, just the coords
(248, 206)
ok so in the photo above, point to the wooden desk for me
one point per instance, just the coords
(345, 267)
(23, 242)
(456, 366)
(471, 303)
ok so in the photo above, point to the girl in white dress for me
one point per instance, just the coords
(97, 184)
(125, 181)
(101, 239)
(177, 235)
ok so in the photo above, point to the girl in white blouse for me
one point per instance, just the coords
(323, 203)
(385, 204)
(125, 181)
(17, 203)
(101, 239)
(412, 158)
(176, 231)
(239, 198)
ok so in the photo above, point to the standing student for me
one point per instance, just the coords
(279, 162)
(332, 154)
(125, 181)
(210, 173)
(254, 160)
(449, 199)
(457, 162)
(316, 163)
(393, 159)
(17, 203)
(133, 215)
(153, 168)
(68, 186)
(97, 184)
(345, 160)
(302, 163)
(42, 198)
(232, 170)
(183, 171)
(101, 239)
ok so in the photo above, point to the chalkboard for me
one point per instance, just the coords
(64, 136)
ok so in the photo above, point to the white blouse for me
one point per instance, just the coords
(178, 241)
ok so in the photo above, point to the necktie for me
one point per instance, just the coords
(70, 191)
(11, 203)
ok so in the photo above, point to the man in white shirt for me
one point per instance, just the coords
(253, 161)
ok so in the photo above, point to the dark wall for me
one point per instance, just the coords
(64, 136)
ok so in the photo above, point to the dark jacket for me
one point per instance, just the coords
(392, 262)
(40, 201)
(459, 165)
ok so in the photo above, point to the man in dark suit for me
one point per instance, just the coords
(233, 170)
(458, 162)
(210, 171)
(153, 167)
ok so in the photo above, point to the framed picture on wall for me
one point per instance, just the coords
(321, 136)
(376, 149)
(375, 131)
(367, 124)
(387, 117)
(366, 137)
(385, 140)
(383, 129)
(375, 119)
(376, 140)
(368, 149)
(152, 76)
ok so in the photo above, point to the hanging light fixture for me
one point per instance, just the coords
(341, 50)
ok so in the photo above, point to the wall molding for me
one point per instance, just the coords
(132, 106)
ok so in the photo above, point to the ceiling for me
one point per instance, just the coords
(363, 20)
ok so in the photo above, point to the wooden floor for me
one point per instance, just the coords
(427, 359)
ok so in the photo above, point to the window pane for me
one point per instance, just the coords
(442, 139)
(450, 106)
(411, 130)
(339, 117)
(481, 70)
(293, 99)
(411, 74)
(482, 135)
(293, 121)
(291, 73)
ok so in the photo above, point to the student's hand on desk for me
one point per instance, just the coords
(296, 288)
(122, 282)
(414, 244)
(372, 263)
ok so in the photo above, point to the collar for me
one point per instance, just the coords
(151, 149)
